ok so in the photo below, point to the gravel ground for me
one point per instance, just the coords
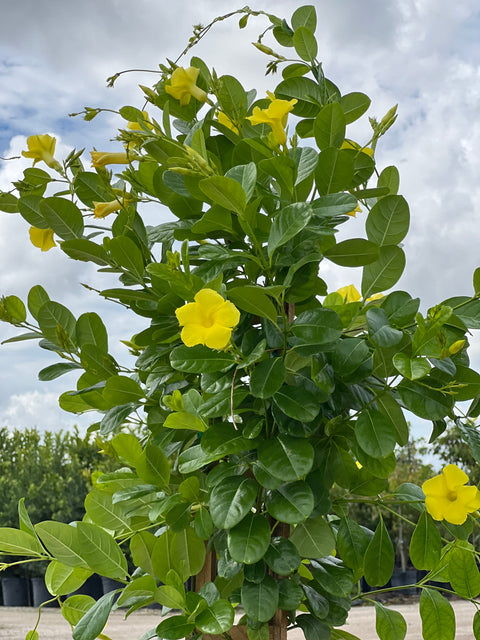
(16, 621)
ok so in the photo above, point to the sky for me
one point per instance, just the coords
(55, 56)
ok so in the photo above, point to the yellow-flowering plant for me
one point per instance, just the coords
(258, 405)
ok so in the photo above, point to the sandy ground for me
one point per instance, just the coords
(16, 621)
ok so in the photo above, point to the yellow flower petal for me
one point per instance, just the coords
(103, 209)
(183, 86)
(102, 158)
(275, 116)
(41, 148)
(454, 476)
(225, 120)
(349, 293)
(193, 334)
(217, 337)
(42, 238)
(446, 497)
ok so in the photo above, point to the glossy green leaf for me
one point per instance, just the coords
(121, 390)
(61, 579)
(217, 618)
(90, 187)
(282, 556)
(411, 368)
(352, 542)
(226, 192)
(153, 466)
(141, 548)
(267, 377)
(231, 500)
(260, 601)
(355, 252)
(305, 44)
(476, 625)
(389, 178)
(292, 503)
(187, 553)
(62, 541)
(75, 607)
(246, 176)
(424, 401)
(305, 16)
(102, 511)
(91, 330)
(57, 324)
(438, 617)
(20, 543)
(253, 299)
(317, 327)
(286, 458)
(329, 126)
(334, 172)
(127, 255)
(379, 329)
(101, 552)
(354, 105)
(379, 557)
(313, 538)
(388, 221)
(390, 624)
(375, 433)
(287, 223)
(385, 272)
(200, 359)
(56, 370)
(312, 628)
(248, 541)
(306, 163)
(425, 544)
(168, 596)
(116, 417)
(63, 216)
(390, 407)
(94, 620)
(298, 402)
(463, 572)
(332, 575)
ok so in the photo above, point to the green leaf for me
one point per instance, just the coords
(424, 401)
(175, 627)
(313, 538)
(232, 97)
(305, 44)
(334, 172)
(85, 250)
(332, 576)
(267, 378)
(93, 622)
(37, 296)
(375, 433)
(115, 417)
(352, 542)
(101, 552)
(61, 579)
(246, 176)
(390, 407)
(170, 597)
(291, 503)
(287, 223)
(476, 281)
(12, 310)
(127, 255)
(75, 607)
(184, 420)
(411, 368)
(286, 458)
(389, 178)
(476, 625)
(153, 466)
(385, 272)
(141, 548)
(187, 553)
(390, 625)
(62, 541)
(354, 105)
(438, 617)
(282, 556)
(57, 323)
(248, 541)
(312, 628)
(20, 543)
(217, 618)
(379, 329)
(90, 187)
(200, 359)
(425, 544)
(100, 510)
(329, 126)
(226, 192)
(379, 557)
(317, 327)
(223, 439)
(231, 500)
(253, 299)
(8, 202)
(29, 208)
(463, 572)
(56, 370)
(63, 216)
(305, 16)
(388, 221)
(121, 390)
(355, 252)
(260, 601)
(91, 330)
(307, 161)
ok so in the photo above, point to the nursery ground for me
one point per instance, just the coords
(16, 621)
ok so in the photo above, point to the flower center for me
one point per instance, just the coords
(452, 496)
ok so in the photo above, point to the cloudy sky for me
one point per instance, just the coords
(55, 56)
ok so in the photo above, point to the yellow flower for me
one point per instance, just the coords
(42, 148)
(350, 144)
(103, 209)
(353, 213)
(102, 158)
(376, 296)
(275, 116)
(183, 85)
(42, 238)
(136, 126)
(349, 293)
(225, 120)
(446, 497)
(209, 320)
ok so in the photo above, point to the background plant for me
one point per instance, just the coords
(241, 462)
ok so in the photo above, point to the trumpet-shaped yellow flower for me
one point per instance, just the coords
(447, 497)
(136, 126)
(102, 158)
(42, 238)
(41, 148)
(104, 209)
(349, 293)
(275, 116)
(183, 85)
(209, 320)
(225, 120)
